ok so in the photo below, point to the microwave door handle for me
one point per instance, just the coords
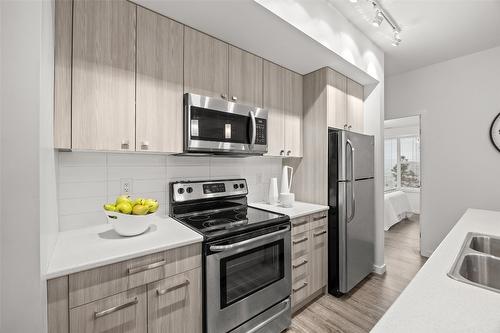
(219, 248)
(254, 128)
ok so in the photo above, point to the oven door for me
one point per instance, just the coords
(218, 126)
(246, 277)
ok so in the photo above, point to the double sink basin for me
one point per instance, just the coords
(478, 262)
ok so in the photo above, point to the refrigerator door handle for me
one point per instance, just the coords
(353, 198)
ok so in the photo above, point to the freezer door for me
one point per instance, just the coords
(358, 148)
(359, 237)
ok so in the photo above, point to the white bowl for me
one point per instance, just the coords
(129, 225)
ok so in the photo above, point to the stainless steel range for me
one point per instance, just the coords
(247, 257)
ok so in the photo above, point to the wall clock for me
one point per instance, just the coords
(495, 132)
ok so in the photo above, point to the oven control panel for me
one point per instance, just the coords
(261, 131)
(199, 190)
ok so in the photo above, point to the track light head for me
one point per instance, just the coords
(396, 39)
(378, 19)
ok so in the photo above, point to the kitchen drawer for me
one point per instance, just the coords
(318, 258)
(174, 304)
(300, 269)
(97, 283)
(300, 291)
(125, 313)
(300, 245)
(319, 219)
(300, 224)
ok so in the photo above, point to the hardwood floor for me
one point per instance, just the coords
(359, 310)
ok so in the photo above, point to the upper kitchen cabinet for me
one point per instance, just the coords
(103, 78)
(274, 89)
(336, 99)
(245, 77)
(205, 64)
(355, 112)
(293, 107)
(159, 90)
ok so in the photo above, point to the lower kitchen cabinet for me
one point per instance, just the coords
(124, 313)
(174, 304)
(309, 257)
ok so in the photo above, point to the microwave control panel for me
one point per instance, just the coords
(261, 131)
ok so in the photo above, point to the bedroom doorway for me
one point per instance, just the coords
(402, 184)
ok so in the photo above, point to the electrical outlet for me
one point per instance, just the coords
(126, 185)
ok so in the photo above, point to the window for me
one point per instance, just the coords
(402, 163)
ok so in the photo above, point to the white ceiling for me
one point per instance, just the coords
(433, 30)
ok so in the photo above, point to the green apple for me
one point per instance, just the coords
(110, 207)
(124, 207)
(123, 198)
(152, 205)
(140, 210)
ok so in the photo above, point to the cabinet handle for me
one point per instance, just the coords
(288, 153)
(224, 96)
(345, 126)
(319, 233)
(147, 267)
(301, 264)
(145, 145)
(296, 224)
(234, 98)
(164, 291)
(115, 308)
(349, 127)
(298, 241)
(301, 287)
(282, 152)
(125, 144)
(319, 218)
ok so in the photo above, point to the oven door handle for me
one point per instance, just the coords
(270, 319)
(254, 129)
(219, 248)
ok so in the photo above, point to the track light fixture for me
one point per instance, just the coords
(378, 19)
(396, 39)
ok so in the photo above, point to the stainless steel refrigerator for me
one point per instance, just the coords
(351, 223)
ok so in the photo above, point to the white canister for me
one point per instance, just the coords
(287, 199)
(272, 198)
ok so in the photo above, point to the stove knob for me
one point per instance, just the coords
(242, 185)
(235, 186)
(180, 190)
(189, 190)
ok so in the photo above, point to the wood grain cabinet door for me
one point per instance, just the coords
(318, 255)
(122, 313)
(159, 103)
(245, 77)
(175, 304)
(103, 80)
(336, 99)
(205, 64)
(274, 104)
(355, 112)
(293, 107)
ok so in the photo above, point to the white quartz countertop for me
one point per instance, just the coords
(433, 302)
(299, 208)
(82, 249)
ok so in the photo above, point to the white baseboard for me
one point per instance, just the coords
(379, 269)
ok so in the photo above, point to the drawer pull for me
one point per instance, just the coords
(115, 308)
(301, 287)
(301, 264)
(296, 224)
(298, 241)
(319, 233)
(319, 218)
(164, 291)
(146, 267)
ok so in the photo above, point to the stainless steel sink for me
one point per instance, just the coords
(478, 262)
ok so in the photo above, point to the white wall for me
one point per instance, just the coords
(88, 180)
(321, 21)
(22, 302)
(458, 100)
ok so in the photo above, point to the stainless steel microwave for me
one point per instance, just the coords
(218, 126)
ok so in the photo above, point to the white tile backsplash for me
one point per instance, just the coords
(87, 180)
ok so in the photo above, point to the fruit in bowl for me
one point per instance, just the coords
(131, 217)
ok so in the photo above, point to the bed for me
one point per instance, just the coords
(396, 208)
